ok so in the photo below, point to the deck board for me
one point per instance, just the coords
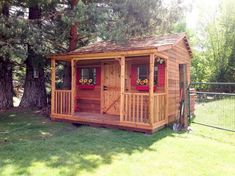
(105, 120)
(97, 117)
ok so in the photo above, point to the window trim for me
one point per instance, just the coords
(94, 75)
(147, 76)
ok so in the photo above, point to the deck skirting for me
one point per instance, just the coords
(92, 120)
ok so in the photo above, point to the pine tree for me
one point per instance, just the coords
(6, 85)
(34, 87)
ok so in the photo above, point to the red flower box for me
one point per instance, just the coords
(145, 88)
(86, 87)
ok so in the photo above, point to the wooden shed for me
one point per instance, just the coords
(133, 85)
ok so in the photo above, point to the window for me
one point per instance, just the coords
(143, 74)
(155, 74)
(88, 76)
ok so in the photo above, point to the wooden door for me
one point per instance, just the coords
(183, 94)
(111, 88)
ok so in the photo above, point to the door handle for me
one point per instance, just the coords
(105, 88)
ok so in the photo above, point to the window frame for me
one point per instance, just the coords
(147, 76)
(94, 76)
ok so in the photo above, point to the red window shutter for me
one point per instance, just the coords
(98, 75)
(161, 75)
(133, 75)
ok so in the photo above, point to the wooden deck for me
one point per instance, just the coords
(105, 120)
(98, 118)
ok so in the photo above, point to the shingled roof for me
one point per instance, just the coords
(153, 42)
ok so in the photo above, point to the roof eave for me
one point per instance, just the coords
(185, 39)
(109, 54)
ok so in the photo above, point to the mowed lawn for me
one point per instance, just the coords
(31, 144)
(218, 113)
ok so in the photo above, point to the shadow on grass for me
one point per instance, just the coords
(68, 148)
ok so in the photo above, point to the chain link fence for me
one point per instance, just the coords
(213, 104)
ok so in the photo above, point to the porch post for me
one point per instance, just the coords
(52, 85)
(73, 85)
(151, 85)
(122, 91)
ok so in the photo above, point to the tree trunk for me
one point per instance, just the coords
(73, 40)
(34, 86)
(6, 85)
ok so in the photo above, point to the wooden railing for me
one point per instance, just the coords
(136, 108)
(160, 107)
(62, 102)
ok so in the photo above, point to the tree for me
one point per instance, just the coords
(128, 18)
(213, 55)
(6, 85)
(73, 41)
(34, 87)
(41, 40)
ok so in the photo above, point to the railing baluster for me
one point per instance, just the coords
(141, 109)
(130, 106)
(133, 105)
(126, 109)
(62, 101)
(136, 107)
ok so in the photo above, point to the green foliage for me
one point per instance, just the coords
(214, 54)
(116, 20)
(128, 18)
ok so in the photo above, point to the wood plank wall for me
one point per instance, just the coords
(177, 55)
(88, 100)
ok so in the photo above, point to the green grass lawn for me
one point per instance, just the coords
(33, 145)
(219, 113)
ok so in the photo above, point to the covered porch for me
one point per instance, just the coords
(115, 99)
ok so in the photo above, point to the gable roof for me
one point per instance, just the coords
(153, 42)
(161, 43)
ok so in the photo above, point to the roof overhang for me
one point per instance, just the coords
(103, 55)
(118, 53)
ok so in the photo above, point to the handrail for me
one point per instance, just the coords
(57, 90)
(138, 93)
(135, 93)
(159, 94)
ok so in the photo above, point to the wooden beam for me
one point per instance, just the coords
(122, 78)
(73, 85)
(161, 55)
(53, 69)
(104, 55)
(102, 88)
(151, 85)
(183, 85)
(186, 98)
